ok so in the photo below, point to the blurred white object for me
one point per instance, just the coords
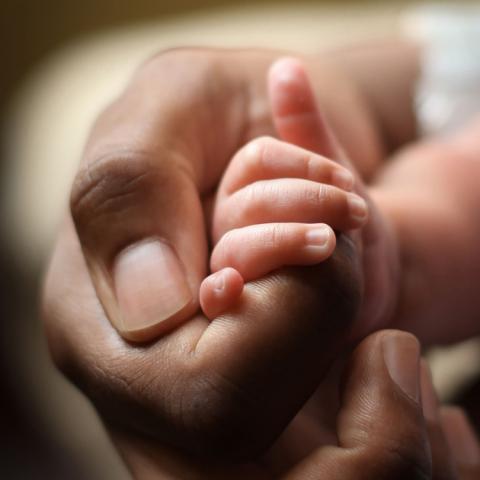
(447, 96)
(448, 93)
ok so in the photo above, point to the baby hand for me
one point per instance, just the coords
(279, 204)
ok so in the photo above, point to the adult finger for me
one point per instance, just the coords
(380, 427)
(136, 199)
(442, 461)
(211, 388)
(463, 442)
(224, 398)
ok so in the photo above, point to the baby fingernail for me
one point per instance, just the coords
(401, 352)
(318, 236)
(219, 282)
(343, 179)
(357, 207)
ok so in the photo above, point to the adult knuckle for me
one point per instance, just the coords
(108, 186)
(185, 64)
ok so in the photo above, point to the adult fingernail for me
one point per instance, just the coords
(461, 438)
(357, 207)
(429, 397)
(343, 179)
(402, 355)
(317, 236)
(150, 285)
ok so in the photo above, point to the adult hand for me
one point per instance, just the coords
(389, 426)
(138, 252)
(150, 169)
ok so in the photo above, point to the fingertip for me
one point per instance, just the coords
(320, 242)
(233, 281)
(219, 291)
(401, 353)
(289, 87)
(357, 209)
(286, 70)
(382, 380)
(295, 112)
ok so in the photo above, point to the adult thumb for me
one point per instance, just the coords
(380, 426)
(140, 224)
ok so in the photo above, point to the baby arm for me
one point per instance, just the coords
(279, 204)
(431, 193)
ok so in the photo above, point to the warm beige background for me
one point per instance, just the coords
(29, 29)
(64, 60)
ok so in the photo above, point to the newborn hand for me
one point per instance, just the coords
(279, 204)
(136, 232)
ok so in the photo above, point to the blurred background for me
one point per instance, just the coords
(62, 61)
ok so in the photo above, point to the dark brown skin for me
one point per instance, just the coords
(225, 389)
(382, 434)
